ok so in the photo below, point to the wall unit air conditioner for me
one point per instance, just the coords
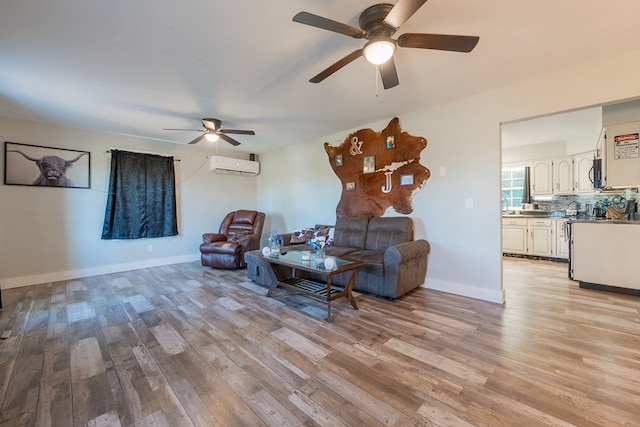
(228, 165)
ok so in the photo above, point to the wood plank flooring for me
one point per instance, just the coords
(184, 345)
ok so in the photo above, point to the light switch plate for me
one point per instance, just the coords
(468, 203)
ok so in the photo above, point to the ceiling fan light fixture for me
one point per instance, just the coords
(379, 51)
(212, 137)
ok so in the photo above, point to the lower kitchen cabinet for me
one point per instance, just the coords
(543, 237)
(562, 238)
(514, 235)
(540, 237)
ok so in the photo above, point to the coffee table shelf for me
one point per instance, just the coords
(312, 286)
(321, 288)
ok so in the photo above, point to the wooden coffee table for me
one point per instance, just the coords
(318, 288)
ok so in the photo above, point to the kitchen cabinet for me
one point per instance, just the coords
(528, 236)
(541, 177)
(514, 235)
(552, 176)
(605, 253)
(540, 236)
(561, 229)
(562, 175)
(583, 172)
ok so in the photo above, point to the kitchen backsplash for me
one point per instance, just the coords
(560, 203)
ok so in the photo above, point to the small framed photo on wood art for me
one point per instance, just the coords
(369, 164)
(391, 142)
(406, 179)
(338, 160)
(351, 186)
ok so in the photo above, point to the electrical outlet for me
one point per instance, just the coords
(149, 248)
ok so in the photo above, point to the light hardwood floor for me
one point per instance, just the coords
(187, 345)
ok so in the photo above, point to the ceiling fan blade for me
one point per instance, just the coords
(328, 24)
(238, 131)
(335, 67)
(193, 130)
(389, 74)
(228, 139)
(438, 42)
(402, 11)
(198, 139)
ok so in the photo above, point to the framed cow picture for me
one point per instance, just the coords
(36, 165)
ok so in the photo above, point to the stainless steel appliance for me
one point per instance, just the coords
(590, 209)
(596, 174)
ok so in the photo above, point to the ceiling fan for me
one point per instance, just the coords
(212, 132)
(377, 24)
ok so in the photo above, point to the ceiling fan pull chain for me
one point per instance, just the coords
(375, 77)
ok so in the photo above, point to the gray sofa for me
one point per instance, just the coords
(395, 263)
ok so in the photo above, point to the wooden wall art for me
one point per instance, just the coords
(378, 170)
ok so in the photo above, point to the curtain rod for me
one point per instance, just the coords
(175, 159)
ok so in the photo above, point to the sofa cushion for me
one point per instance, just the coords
(374, 260)
(388, 231)
(350, 232)
(339, 251)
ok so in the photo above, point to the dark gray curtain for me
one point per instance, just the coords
(526, 192)
(142, 197)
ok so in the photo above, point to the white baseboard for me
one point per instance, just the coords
(16, 282)
(490, 295)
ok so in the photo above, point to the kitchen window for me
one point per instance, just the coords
(512, 187)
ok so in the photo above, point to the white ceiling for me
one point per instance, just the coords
(137, 66)
(584, 124)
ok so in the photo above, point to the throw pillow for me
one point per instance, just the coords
(301, 236)
(238, 235)
(321, 232)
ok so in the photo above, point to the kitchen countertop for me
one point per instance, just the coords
(534, 214)
(562, 215)
(604, 221)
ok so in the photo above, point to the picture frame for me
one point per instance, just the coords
(350, 186)
(406, 179)
(37, 165)
(369, 164)
(390, 142)
(338, 160)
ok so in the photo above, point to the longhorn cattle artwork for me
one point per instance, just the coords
(46, 166)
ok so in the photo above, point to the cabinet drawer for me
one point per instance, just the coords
(514, 221)
(540, 222)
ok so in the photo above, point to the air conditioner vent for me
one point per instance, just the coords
(229, 165)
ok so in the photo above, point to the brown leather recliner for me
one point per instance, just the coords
(239, 233)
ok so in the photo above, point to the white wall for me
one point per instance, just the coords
(49, 234)
(464, 138)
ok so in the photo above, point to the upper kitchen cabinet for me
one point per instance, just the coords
(563, 175)
(541, 177)
(552, 176)
(583, 172)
